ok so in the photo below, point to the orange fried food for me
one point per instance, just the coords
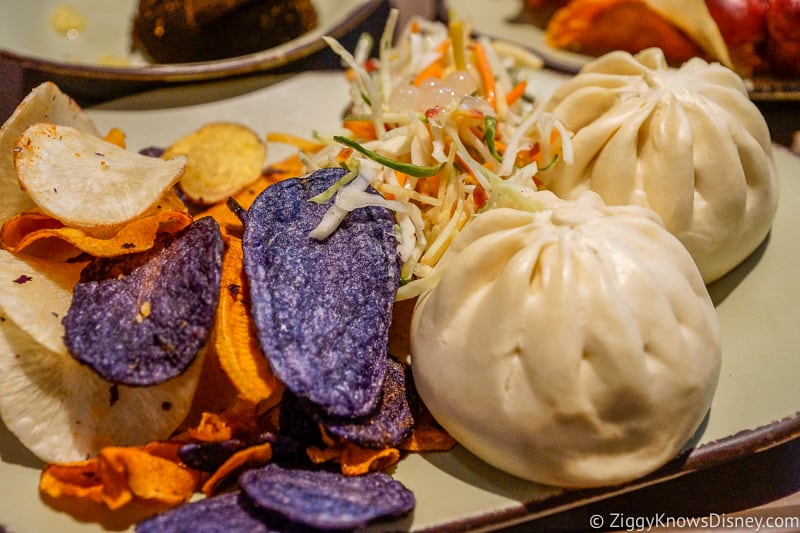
(238, 349)
(35, 233)
(120, 475)
(251, 457)
(355, 460)
(595, 27)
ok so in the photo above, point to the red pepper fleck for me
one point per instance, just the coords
(23, 279)
(480, 196)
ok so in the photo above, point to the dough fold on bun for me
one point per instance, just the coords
(687, 142)
(576, 346)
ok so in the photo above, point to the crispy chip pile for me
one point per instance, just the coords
(222, 158)
(119, 475)
(130, 208)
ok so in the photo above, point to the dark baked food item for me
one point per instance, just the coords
(185, 31)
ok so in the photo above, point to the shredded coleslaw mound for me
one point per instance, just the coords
(442, 127)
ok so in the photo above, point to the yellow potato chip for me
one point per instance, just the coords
(222, 158)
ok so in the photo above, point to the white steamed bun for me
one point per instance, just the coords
(576, 346)
(688, 143)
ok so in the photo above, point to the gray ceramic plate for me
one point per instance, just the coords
(755, 408)
(97, 63)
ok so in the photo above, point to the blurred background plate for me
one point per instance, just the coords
(507, 19)
(97, 64)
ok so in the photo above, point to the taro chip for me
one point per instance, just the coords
(222, 158)
(141, 319)
(322, 309)
(231, 511)
(87, 182)
(326, 500)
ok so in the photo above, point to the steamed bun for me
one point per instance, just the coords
(575, 346)
(688, 143)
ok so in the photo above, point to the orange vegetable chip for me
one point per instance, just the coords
(428, 438)
(121, 474)
(229, 223)
(355, 460)
(24, 230)
(38, 234)
(291, 167)
(116, 136)
(236, 342)
(301, 143)
(79, 480)
(240, 420)
(251, 457)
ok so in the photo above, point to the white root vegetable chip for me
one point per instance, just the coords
(58, 408)
(64, 170)
(45, 103)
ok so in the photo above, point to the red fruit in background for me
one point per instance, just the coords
(783, 37)
(740, 21)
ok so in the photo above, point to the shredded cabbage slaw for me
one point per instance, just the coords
(441, 126)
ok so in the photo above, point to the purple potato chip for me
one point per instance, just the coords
(228, 512)
(142, 318)
(388, 425)
(208, 456)
(391, 422)
(326, 500)
(322, 309)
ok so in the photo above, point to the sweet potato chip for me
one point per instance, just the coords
(116, 136)
(236, 341)
(428, 438)
(240, 420)
(64, 169)
(120, 474)
(24, 231)
(250, 457)
(222, 158)
(228, 221)
(355, 460)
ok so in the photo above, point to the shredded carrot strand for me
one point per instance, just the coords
(435, 69)
(363, 129)
(516, 92)
(486, 74)
(401, 178)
